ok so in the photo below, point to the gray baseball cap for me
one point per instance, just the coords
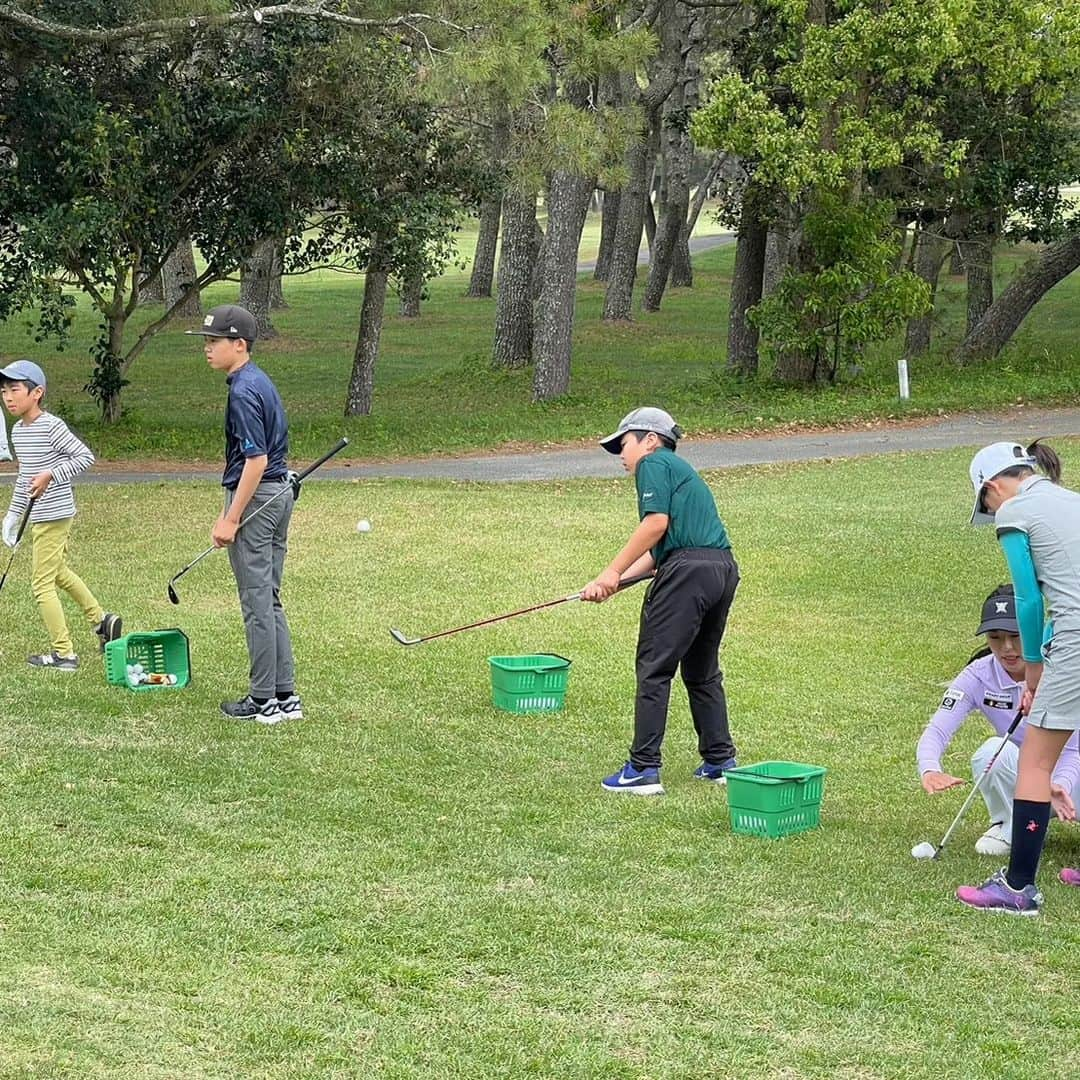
(228, 321)
(24, 371)
(645, 419)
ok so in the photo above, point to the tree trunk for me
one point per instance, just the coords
(747, 282)
(784, 238)
(956, 260)
(362, 379)
(979, 264)
(568, 203)
(650, 223)
(609, 220)
(682, 269)
(412, 292)
(277, 296)
(678, 154)
(110, 397)
(930, 251)
(1005, 315)
(177, 275)
(514, 302)
(487, 238)
(539, 260)
(619, 298)
(255, 277)
(151, 290)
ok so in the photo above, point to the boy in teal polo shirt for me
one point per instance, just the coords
(684, 613)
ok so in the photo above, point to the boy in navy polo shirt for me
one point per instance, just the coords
(684, 613)
(256, 474)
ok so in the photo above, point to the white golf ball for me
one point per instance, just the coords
(363, 525)
(925, 850)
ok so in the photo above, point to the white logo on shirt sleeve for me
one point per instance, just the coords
(952, 696)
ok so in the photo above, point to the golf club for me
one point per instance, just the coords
(295, 486)
(926, 849)
(18, 539)
(401, 638)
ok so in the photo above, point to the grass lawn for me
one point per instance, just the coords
(436, 392)
(410, 883)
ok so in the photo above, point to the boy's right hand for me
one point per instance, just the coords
(11, 528)
(933, 782)
(601, 587)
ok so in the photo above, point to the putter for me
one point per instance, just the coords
(174, 597)
(18, 539)
(402, 639)
(926, 850)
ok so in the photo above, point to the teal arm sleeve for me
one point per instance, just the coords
(1029, 598)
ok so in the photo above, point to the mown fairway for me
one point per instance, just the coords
(410, 883)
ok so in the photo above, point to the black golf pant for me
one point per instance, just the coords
(682, 621)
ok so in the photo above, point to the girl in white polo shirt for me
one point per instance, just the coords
(1038, 527)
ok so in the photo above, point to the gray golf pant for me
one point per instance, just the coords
(257, 556)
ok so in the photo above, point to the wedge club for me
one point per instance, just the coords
(402, 639)
(339, 446)
(926, 849)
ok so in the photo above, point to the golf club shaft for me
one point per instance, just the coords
(340, 445)
(18, 539)
(525, 611)
(978, 783)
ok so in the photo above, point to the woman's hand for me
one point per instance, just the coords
(933, 782)
(1062, 804)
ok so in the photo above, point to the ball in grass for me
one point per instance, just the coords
(363, 525)
(925, 850)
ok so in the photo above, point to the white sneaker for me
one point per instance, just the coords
(994, 841)
(5, 455)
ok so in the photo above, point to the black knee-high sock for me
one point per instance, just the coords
(1030, 821)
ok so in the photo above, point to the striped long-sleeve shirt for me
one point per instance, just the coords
(47, 444)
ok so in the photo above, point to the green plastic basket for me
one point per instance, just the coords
(775, 798)
(163, 652)
(521, 684)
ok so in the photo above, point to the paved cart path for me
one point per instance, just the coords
(733, 451)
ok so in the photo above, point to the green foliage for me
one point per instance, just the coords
(850, 296)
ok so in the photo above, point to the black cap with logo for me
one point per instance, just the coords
(999, 612)
(228, 321)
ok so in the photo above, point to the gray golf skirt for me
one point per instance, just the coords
(1057, 701)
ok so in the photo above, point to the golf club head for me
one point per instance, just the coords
(173, 597)
(401, 639)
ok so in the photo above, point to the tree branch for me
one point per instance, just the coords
(12, 15)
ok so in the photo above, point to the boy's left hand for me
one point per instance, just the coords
(601, 587)
(223, 532)
(38, 484)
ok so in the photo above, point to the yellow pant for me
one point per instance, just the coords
(50, 572)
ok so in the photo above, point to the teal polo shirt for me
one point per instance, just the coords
(666, 484)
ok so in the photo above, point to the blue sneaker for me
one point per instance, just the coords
(634, 781)
(996, 894)
(715, 773)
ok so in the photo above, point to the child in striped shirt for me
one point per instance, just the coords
(50, 456)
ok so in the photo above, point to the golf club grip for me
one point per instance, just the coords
(25, 521)
(634, 580)
(336, 449)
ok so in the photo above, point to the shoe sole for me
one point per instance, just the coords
(1030, 914)
(721, 780)
(112, 632)
(639, 789)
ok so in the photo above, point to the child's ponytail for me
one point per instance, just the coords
(1047, 459)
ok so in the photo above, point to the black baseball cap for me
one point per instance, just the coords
(228, 321)
(999, 612)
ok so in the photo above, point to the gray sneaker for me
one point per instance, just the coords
(249, 709)
(54, 660)
(291, 707)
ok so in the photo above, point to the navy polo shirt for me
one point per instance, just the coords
(255, 424)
